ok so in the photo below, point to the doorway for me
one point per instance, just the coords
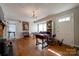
(11, 30)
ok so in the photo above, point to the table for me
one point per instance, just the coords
(43, 37)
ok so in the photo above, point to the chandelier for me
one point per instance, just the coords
(35, 13)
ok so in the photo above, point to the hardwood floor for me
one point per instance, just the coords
(27, 47)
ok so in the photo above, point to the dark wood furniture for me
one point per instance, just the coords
(25, 34)
(43, 37)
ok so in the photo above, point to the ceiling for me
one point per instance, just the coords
(24, 11)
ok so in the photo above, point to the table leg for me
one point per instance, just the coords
(42, 44)
(37, 41)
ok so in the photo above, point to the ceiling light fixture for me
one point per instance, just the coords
(34, 16)
(35, 13)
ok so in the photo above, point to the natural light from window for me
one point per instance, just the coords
(64, 19)
(42, 27)
(12, 27)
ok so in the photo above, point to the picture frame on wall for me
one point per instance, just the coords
(25, 26)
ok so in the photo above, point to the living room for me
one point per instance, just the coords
(56, 24)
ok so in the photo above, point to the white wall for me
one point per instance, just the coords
(18, 30)
(65, 30)
(32, 27)
(75, 12)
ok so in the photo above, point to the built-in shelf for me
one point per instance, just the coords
(49, 26)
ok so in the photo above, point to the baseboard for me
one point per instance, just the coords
(67, 44)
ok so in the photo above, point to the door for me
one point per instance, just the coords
(65, 30)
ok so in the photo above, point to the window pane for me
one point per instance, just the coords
(60, 20)
(64, 19)
(67, 18)
(42, 27)
(12, 28)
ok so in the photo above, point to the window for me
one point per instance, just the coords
(67, 18)
(11, 31)
(12, 27)
(64, 19)
(42, 27)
